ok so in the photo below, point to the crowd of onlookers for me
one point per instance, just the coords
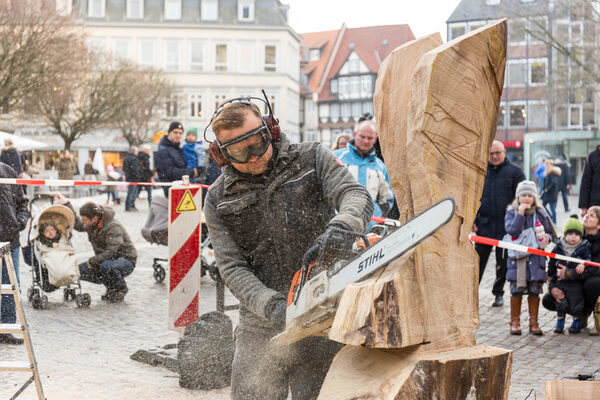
(511, 211)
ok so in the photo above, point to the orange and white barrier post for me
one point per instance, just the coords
(185, 210)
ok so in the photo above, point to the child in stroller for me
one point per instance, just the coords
(156, 230)
(52, 258)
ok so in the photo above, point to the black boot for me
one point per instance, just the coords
(498, 302)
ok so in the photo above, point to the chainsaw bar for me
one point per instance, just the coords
(318, 296)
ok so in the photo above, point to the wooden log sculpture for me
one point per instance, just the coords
(436, 108)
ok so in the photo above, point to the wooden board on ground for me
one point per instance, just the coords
(450, 117)
(572, 389)
(478, 372)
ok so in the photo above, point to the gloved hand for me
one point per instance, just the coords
(335, 239)
(277, 315)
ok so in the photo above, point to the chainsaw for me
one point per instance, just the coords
(326, 269)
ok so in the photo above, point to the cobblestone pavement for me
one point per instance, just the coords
(84, 353)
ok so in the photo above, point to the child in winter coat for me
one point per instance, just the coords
(526, 275)
(193, 152)
(568, 276)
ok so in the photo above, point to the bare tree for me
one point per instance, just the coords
(31, 32)
(141, 94)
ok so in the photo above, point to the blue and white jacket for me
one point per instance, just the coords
(370, 172)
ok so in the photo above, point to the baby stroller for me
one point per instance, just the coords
(156, 230)
(52, 267)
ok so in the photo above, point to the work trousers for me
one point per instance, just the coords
(8, 310)
(109, 273)
(484, 254)
(264, 370)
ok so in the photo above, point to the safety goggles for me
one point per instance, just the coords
(253, 143)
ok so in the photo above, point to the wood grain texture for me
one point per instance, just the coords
(474, 373)
(572, 389)
(435, 144)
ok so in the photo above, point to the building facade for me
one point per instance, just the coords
(546, 93)
(339, 69)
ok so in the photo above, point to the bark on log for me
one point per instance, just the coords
(572, 389)
(435, 145)
(478, 372)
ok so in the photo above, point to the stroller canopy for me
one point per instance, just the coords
(59, 215)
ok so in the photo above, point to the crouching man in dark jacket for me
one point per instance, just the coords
(115, 255)
(272, 202)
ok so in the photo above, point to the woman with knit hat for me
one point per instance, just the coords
(527, 274)
(568, 276)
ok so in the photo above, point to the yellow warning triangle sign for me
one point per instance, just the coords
(186, 203)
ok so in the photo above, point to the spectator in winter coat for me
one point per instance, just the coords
(271, 203)
(115, 256)
(13, 219)
(146, 173)
(564, 183)
(499, 189)
(132, 171)
(568, 276)
(66, 166)
(591, 282)
(170, 163)
(341, 142)
(539, 173)
(526, 275)
(550, 191)
(11, 156)
(370, 171)
(589, 189)
(193, 152)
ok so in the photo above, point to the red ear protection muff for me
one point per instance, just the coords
(269, 121)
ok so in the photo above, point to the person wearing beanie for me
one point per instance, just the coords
(114, 254)
(526, 272)
(170, 161)
(501, 180)
(568, 276)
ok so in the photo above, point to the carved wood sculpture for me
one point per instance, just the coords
(436, 108)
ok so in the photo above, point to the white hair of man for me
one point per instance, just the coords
(146, 148)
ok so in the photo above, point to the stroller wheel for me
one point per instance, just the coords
(79, 300)
(214, 273)
(67, 295)
(87, 300)
(159, 273)
(36, 300)
(30, 294)
(44, 302)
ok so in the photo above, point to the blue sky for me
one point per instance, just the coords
(423, 16)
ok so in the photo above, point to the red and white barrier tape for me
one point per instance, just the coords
(60, 182)
(525, 249)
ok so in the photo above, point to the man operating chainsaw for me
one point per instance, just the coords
(273, 201)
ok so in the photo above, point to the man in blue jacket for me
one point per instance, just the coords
(361, 159)
(170, 163)
(499, 189)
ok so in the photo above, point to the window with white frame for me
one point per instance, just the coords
(135, 9)
(356, 110)
(270, 60)
(537, 71)
(273, 101)
(517, 114)
(537, 116)
(365, 83)
(221, 57)
(246, 10)
(334, 86)
(219, 98)
(354, 65)
(492, 2)
(367, 107)
(96, 8)
(343, 85)
(562, 116)
(473, 25)
(538, 29)
(196, 55)
(517, 73)
(355, 84)
(120, 49)
(172, 106)
(575, 115)
(501, 116)
(314, 54)
(147, 53)
(575, 32)
(64, 7)
(209, 10)
(195, 105)
(97, 45)
(457, 30)
(172, 55)
(334, 109)
(516, 31)
(172, 9)
(346, 110)
(588, 115)
(246, 56)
